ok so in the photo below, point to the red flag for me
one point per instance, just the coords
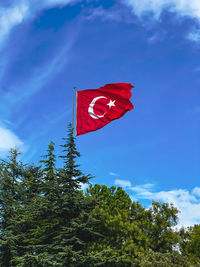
(98, 107)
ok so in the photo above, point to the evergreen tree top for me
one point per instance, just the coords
(71, 176)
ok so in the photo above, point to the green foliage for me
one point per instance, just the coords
(128, 229)
(157, 224)
(28, 260)
(193, 245)
(120, 237)
(190, 243)
(168, 259)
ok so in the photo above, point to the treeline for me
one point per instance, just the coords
(47, 220)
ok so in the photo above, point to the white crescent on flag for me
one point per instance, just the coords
(91, 108)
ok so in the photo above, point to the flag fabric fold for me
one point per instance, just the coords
(98, 107)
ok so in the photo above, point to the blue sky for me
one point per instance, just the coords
(48, 48)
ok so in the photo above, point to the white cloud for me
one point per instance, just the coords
(197, 69)
(153, 39)
(194, 36)
(39, 5)
(194, 110)
(84, 186)
(122, 183)
(188, 203)
(9, 17)
(113, 14)
(140, 189)
(113, 174)
(56, 2)
(8, 140)
(180, 8)
(190, 8)
(158, 36)
(196, 191)
(19, 11)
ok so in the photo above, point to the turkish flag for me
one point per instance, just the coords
(98, 107)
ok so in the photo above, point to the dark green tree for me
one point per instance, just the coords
(49, 162)
(10, 201)
(75, 226)
(38, 215)
(28, 215)
(70, 176)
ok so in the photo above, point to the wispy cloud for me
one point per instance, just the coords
(8, 140)
(140, 189)
(194, 110)
(16, 93)
(106, 14)
(113, 174)
(156, 37)
(10, 17)
(194, 36)
(41, 73)
(114, 13)
(196, 69)
(20, 11)
(84, 186)
(47, 72)
(122, 183)
(196, 191)
(156, 7)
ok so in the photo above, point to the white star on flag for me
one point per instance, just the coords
(111, 104)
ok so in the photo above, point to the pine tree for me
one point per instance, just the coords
(38, 216)
(49, 209)
(70, 176)
(49, 163)
(75, 229)
(10, 201)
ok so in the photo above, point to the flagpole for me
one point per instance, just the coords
(74, 96)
